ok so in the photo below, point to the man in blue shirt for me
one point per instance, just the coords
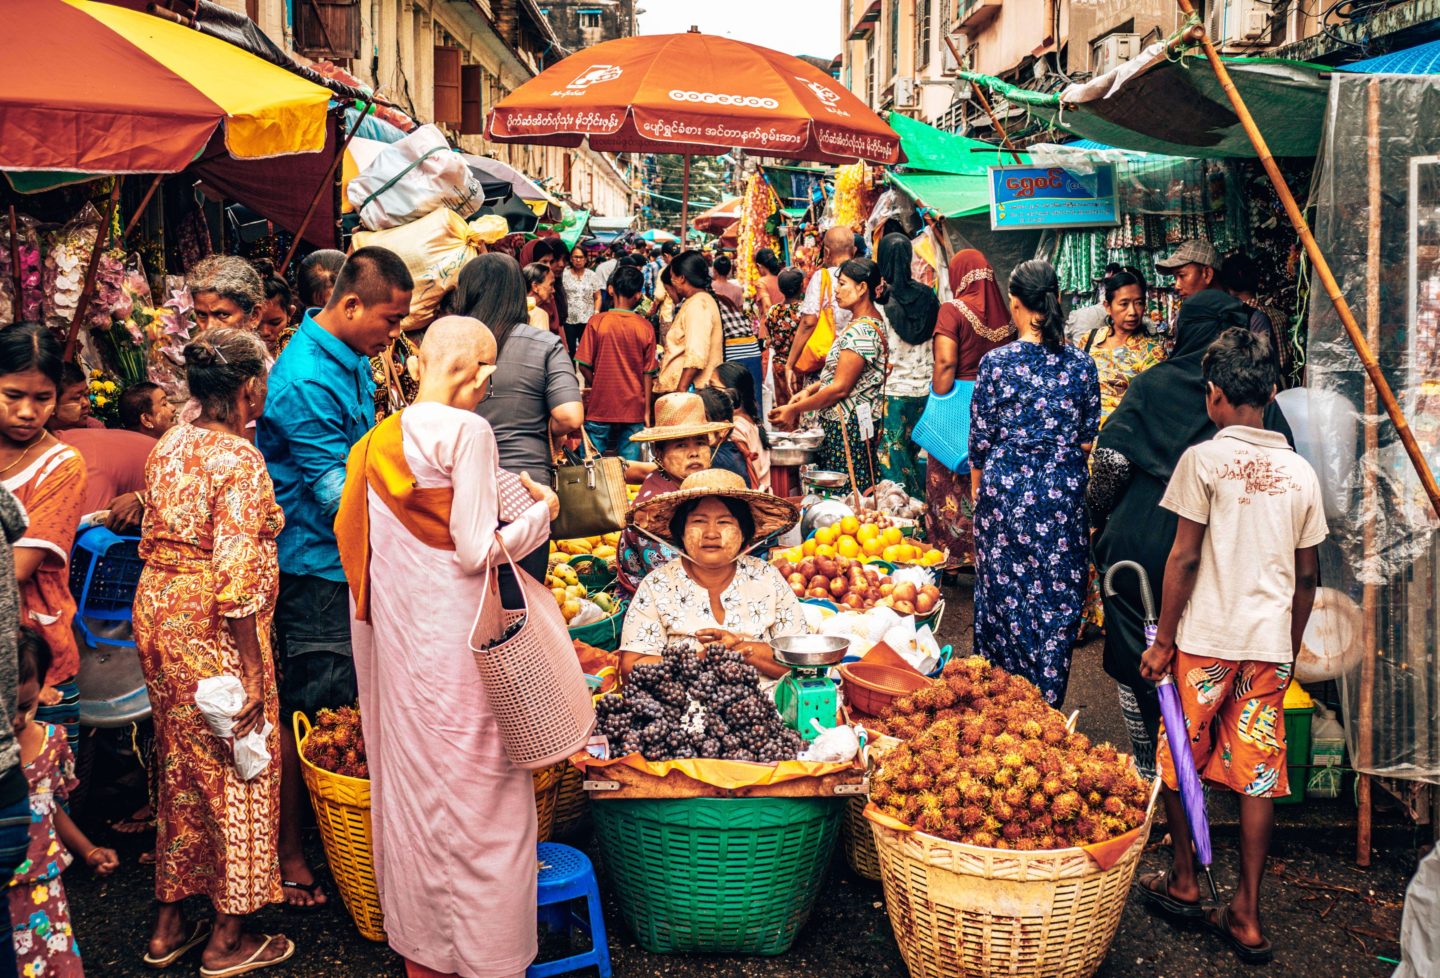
(321, 402)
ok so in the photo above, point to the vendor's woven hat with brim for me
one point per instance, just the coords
(1192, 252)
(772, 514)
(680, 415)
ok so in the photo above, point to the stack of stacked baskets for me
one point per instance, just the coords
(856, 833)
(962, 911)
(342, 810)
(716, 875)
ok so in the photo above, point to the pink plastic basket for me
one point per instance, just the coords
(533, 678)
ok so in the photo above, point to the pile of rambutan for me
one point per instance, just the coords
(337, 744)
(969, 685)
(1003, 772)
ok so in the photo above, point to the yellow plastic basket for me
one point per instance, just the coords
(860, 840)
(571, 804)
(342, 810)
(962, 911)
(547, 789)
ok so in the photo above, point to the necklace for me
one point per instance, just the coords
(21, 457)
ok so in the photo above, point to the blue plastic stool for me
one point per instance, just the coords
(566, 875)
(104, 572)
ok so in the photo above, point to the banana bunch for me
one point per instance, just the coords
(602, 547)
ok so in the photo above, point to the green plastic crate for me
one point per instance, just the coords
(716, 875)
(605, 633)
(1297, 753)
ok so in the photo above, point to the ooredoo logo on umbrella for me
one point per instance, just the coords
(594, 75)
(712, 98)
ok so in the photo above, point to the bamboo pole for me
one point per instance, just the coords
(1366, 734)
(140, 210)
(1318, 262)
(15, 272)
(87, 291)
(326, 183)
(984, 102)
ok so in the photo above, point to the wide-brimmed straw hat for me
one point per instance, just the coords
(771, 514)
(680, 415)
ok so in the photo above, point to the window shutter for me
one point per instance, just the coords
(327, 28)
(472, 106)
(447, 86)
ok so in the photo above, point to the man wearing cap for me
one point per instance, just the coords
(1194, 264)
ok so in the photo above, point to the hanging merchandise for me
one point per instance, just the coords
(756, 209)
(411, 178)
(849, 185)
(26, 249)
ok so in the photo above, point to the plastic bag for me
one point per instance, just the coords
(218, 699)
(1420, 922)
(410, 178)
(837, 745)
(434, 248)
(589, 614)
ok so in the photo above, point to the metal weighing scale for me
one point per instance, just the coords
(808, 693)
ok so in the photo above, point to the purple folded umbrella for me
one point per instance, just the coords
(1177, 734)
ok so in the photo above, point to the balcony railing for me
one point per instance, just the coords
(974, 14)
(864, 15)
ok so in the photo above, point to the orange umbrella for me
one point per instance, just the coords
(720, 217)
(694, 94)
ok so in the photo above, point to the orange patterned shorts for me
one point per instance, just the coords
(1235, 712)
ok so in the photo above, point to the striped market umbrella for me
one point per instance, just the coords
(93, 88)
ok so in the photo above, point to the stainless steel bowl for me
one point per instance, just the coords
(790, 456)
(810, 651)
(823, 514)
(808, 439)
(824, 478)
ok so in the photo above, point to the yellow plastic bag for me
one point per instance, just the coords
(434, 248)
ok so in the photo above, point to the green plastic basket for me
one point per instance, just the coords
(716, 875)
(605, 633)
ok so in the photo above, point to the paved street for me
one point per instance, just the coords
(1324, 915)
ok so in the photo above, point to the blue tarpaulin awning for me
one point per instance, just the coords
(1423, 59)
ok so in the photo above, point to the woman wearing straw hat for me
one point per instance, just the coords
(682, 443)
(714, 592)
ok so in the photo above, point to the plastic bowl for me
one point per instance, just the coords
(869, 688)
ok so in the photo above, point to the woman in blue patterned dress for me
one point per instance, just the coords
(1033, 418)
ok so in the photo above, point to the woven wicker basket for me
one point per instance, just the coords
(962, 911)
(342, 810)
(547, 789)
(571, 804)
(859, 840)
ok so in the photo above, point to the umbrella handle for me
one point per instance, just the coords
(1147, 597)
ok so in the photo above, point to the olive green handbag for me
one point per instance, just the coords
(592, 494)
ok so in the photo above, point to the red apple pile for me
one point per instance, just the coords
(842, 581)
(908, 599)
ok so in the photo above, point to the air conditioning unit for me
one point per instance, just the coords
(905, 93)
(1240, 23)
(949, 67)
(1112, 51)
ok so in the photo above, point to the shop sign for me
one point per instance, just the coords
(1052, 197)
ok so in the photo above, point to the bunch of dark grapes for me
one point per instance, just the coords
(694, 705)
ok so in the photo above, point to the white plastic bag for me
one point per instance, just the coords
(1420, 922)
(219, 698)
(834, 746)
(410, 178)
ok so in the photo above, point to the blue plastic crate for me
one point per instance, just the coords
(104, 572)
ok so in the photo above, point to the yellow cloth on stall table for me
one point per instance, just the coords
(719, 773)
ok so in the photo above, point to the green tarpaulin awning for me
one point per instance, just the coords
(948, 194)
(934, 150)
(1176, 107)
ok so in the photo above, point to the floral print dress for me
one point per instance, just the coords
(208, 542)
(44, 940)
(1032, 411)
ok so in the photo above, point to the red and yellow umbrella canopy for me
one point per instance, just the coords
(92, 88)
(693, 94)
(719, 217)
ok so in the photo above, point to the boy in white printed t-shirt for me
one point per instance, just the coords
(1239, 585)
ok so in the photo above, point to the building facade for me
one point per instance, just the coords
(448, 62)
(579, 24)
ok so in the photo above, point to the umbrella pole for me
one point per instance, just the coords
(102, 241)
(1321, 266)
(15, 273)
(140, 210)
(1365, 734)
(325, 183)
(685, 204)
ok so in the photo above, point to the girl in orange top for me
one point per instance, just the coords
(48, 477)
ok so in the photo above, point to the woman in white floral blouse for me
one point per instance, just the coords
(712, 593)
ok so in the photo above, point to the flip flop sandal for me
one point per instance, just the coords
(198, 935)
(129, 825)
(1158, 896)
(1262, 953)
(314, 889)
(253, 962)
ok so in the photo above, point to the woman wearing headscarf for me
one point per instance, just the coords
(910, 313)
(970, 325)
(1161, 415)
